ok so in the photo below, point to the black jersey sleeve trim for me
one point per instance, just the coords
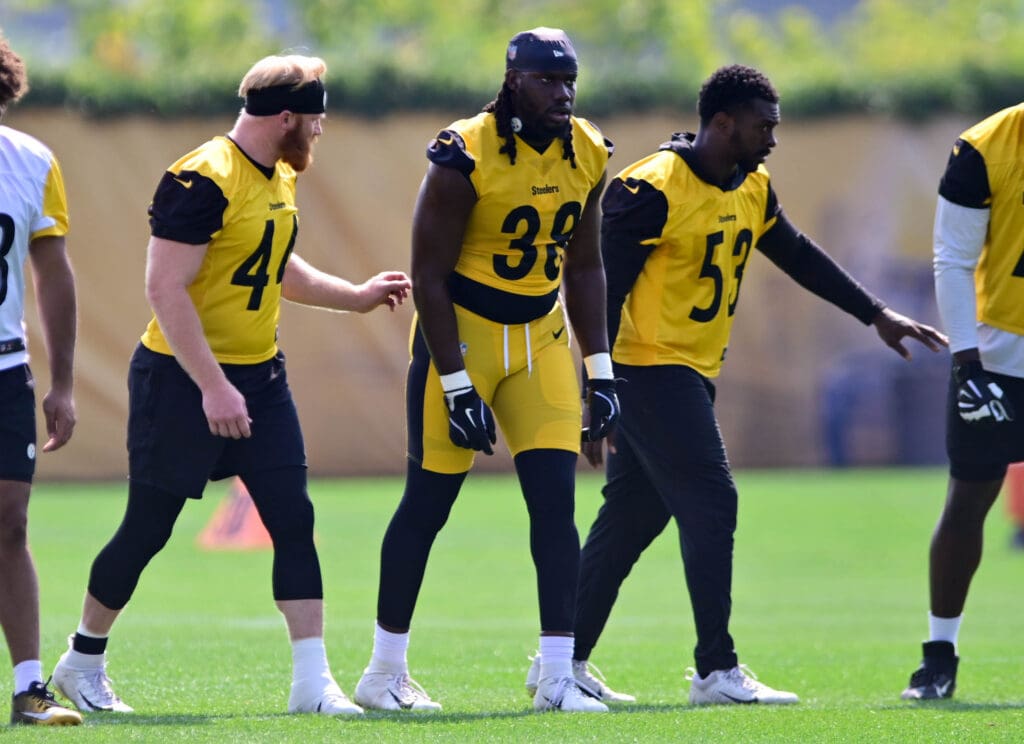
(965, 181)
(448, 150)
(187, 207)
(814, 270)
(634, 212)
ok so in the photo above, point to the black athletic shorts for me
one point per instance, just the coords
(17, 424)
(169, 441)
(983, 452)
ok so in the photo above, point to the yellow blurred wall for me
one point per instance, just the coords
(864, 188)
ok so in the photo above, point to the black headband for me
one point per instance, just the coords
(311, 98)
(541, 50)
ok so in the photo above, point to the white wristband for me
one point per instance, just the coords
(456, 381)
(599, 366)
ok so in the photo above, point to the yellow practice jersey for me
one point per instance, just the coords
(246, 213)
(699, 236)
(510, 268)
(984, 171)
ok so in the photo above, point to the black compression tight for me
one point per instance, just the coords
(422, 512)
(284, 506)
(548, 479)
(149, 520)
(147, 524)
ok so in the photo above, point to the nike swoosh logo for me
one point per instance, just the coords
(551, 702)
(93, 705)
(187, 184)
(737, 700)
(401, 704)
(942, 689)
(36, 716)
(631, 189)
(558, 334)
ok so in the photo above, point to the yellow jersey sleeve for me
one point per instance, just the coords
(55, 203)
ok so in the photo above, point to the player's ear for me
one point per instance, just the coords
(722, 122)
(512, 79)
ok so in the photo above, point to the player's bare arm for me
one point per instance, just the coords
(170, 269)
(55, 296)
(443, 206)
(306, 285)
(583, 278)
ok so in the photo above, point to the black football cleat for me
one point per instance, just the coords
(935, 679)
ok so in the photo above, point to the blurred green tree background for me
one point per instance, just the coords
(911, 58)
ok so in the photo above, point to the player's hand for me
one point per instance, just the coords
(893, 328)
(59, 411)
(979, 399)
(594, 451)
(389, 288)
(602, 409)
(226, 412)
(470, 421)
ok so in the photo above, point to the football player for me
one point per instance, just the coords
(208, 389)
(979, 283)
(33, 226)
(678, 230)
(507, 216)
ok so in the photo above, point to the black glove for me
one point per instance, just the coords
(470, 421)
(979, 398)
(603, 405)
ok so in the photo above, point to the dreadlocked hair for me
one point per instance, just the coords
(503, 110)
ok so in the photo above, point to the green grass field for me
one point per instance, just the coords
(829, 601)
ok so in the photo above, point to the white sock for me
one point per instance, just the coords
(78, 660)
(944, 628)
(556, 656)
(82, 630)
(309, 664)
(26, 673)
(389, 651)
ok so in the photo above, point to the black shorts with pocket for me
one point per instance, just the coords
(169, 441)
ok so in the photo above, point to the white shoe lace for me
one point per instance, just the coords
(564, 688)
(407, 690)
(590, 673)
(99, 686)
(744, 676)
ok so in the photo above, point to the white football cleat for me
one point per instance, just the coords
(328, 701)
(386, 691)
(738, 685)
(88, 688)
(591, 681)
(584, 672)
(562, 693)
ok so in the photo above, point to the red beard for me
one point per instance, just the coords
(297, 149)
